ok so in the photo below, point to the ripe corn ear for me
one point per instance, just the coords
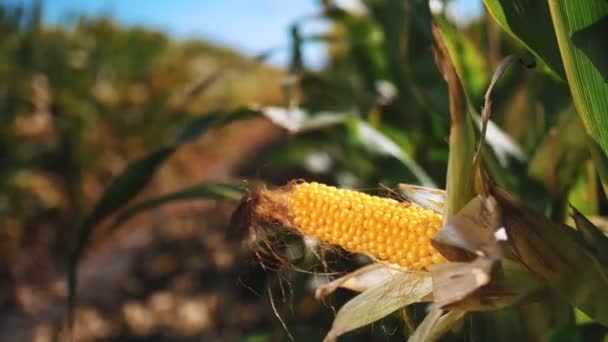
(381, 227)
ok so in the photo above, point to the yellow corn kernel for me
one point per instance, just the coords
(381, 227)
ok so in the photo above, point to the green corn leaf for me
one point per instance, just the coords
(581, 28)
(469, 61)
(460, 177)
(570, 37)
(377, 142)
(529, 22)
(119, 192)
(600, 159)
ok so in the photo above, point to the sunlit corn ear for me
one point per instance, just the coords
(383, 228)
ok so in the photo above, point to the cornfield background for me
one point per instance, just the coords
(133, 170)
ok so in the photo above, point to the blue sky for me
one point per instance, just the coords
(250, 26)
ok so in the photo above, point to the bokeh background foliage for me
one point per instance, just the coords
(101, 123)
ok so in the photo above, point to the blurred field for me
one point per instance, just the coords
(77, 105)
(80, 105)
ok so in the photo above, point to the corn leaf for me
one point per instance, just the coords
(570, 37)
(529, 22)
(297, 120)
(600, 160)
(581, 28)
(233, 192)
(558, 255)
(377, 142)
(402, 289)
(131, 181)
(196, 127)
(469, 61)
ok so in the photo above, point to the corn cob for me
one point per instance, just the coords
(381, 227)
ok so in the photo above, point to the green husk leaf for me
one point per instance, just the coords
(460, 175)
(469, 61)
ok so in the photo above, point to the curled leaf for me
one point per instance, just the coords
(402, 289)
(510, 282)
(360, 280)
(454, 281)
